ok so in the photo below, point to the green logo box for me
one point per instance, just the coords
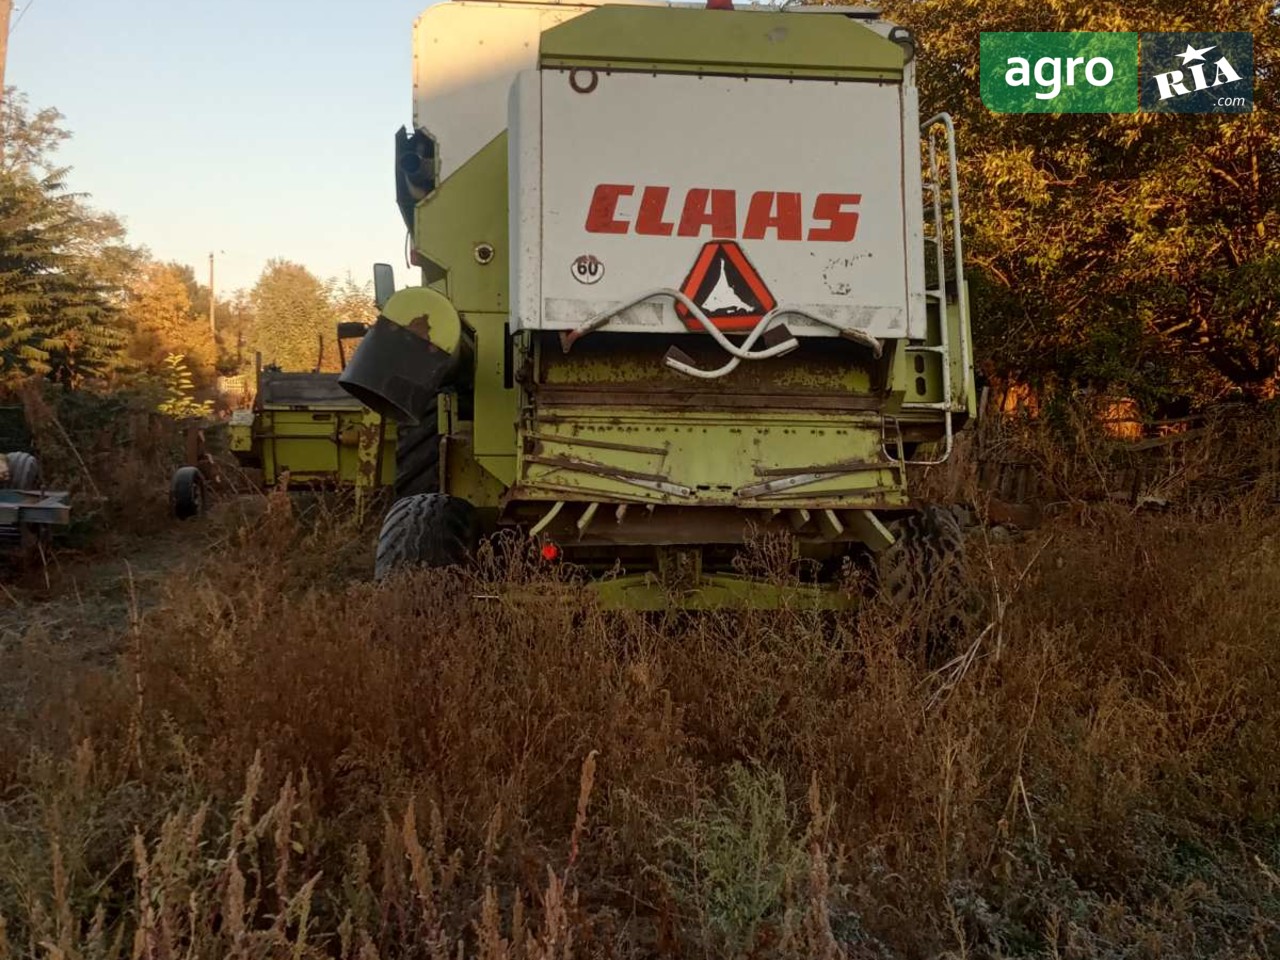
(1059, 72)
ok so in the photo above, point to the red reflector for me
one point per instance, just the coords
(550, 551)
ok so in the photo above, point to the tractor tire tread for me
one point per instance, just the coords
(188, 493)
(426, 530)
(24, 470)
(925, 561)
(418, 458)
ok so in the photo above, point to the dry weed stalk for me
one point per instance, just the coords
(950, 674)
(584, 797)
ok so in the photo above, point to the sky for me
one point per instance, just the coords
(249, 128)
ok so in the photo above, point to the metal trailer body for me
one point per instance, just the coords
(689, 276)
(305, 431)
(43, 507)
(28, 510)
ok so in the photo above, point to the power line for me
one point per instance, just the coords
(22, 13)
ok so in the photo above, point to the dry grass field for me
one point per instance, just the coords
(279, 758)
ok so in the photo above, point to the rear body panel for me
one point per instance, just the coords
(610, 421)
(636, 173)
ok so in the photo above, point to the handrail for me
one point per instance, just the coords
(949, 404)
(957, 246)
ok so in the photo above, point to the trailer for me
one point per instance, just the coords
(303, 432)
(28, 512)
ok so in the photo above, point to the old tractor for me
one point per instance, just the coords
(688, 276)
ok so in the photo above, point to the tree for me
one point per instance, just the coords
(236, 321)
(227, 317)
(353, 302)
(164, 323)
(1138, 252)
(294, 322)
(61, 264)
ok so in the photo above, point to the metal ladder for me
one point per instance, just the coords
(938, 294)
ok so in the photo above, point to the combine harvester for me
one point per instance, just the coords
(688, 275)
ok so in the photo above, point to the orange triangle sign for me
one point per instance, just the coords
(727, 288)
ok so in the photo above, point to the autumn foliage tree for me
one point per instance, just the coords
(1133, 252)
(352, 301)
(294, 321)
(163, 322)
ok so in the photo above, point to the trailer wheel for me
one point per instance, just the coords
(922, 575)
(188, 493)
(24, 471)
(426, 530)
(418, 457)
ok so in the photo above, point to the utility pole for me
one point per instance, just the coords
(213, 329)
(6, 9)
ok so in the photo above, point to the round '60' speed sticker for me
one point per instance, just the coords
(587, 269)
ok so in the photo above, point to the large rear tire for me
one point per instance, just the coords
(928, 552)
(418, 457)
(426, 530)
(24, 471)
(922, 576)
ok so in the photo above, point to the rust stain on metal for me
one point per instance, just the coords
(846, 466)
(369, 439)
(602, 470)
(420, 326)
(599, 396)
(577, 441)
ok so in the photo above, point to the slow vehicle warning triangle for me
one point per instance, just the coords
(727, 288)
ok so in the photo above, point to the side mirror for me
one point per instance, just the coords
(384, 283)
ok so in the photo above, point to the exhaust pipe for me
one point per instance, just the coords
(418, 173)
(415, 162)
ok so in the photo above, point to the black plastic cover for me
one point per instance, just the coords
(396, 373)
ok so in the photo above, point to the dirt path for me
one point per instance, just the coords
(85, 602)
(80, 602)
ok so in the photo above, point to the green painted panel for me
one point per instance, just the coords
(462, 227)
(645, 591)
(918, 379)
(496, 405)
(323, 446)
(714, 591)
(466, 478)
(673, 40)
(746, 458)
(820, 366)
(464, 221)
(428, 313)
